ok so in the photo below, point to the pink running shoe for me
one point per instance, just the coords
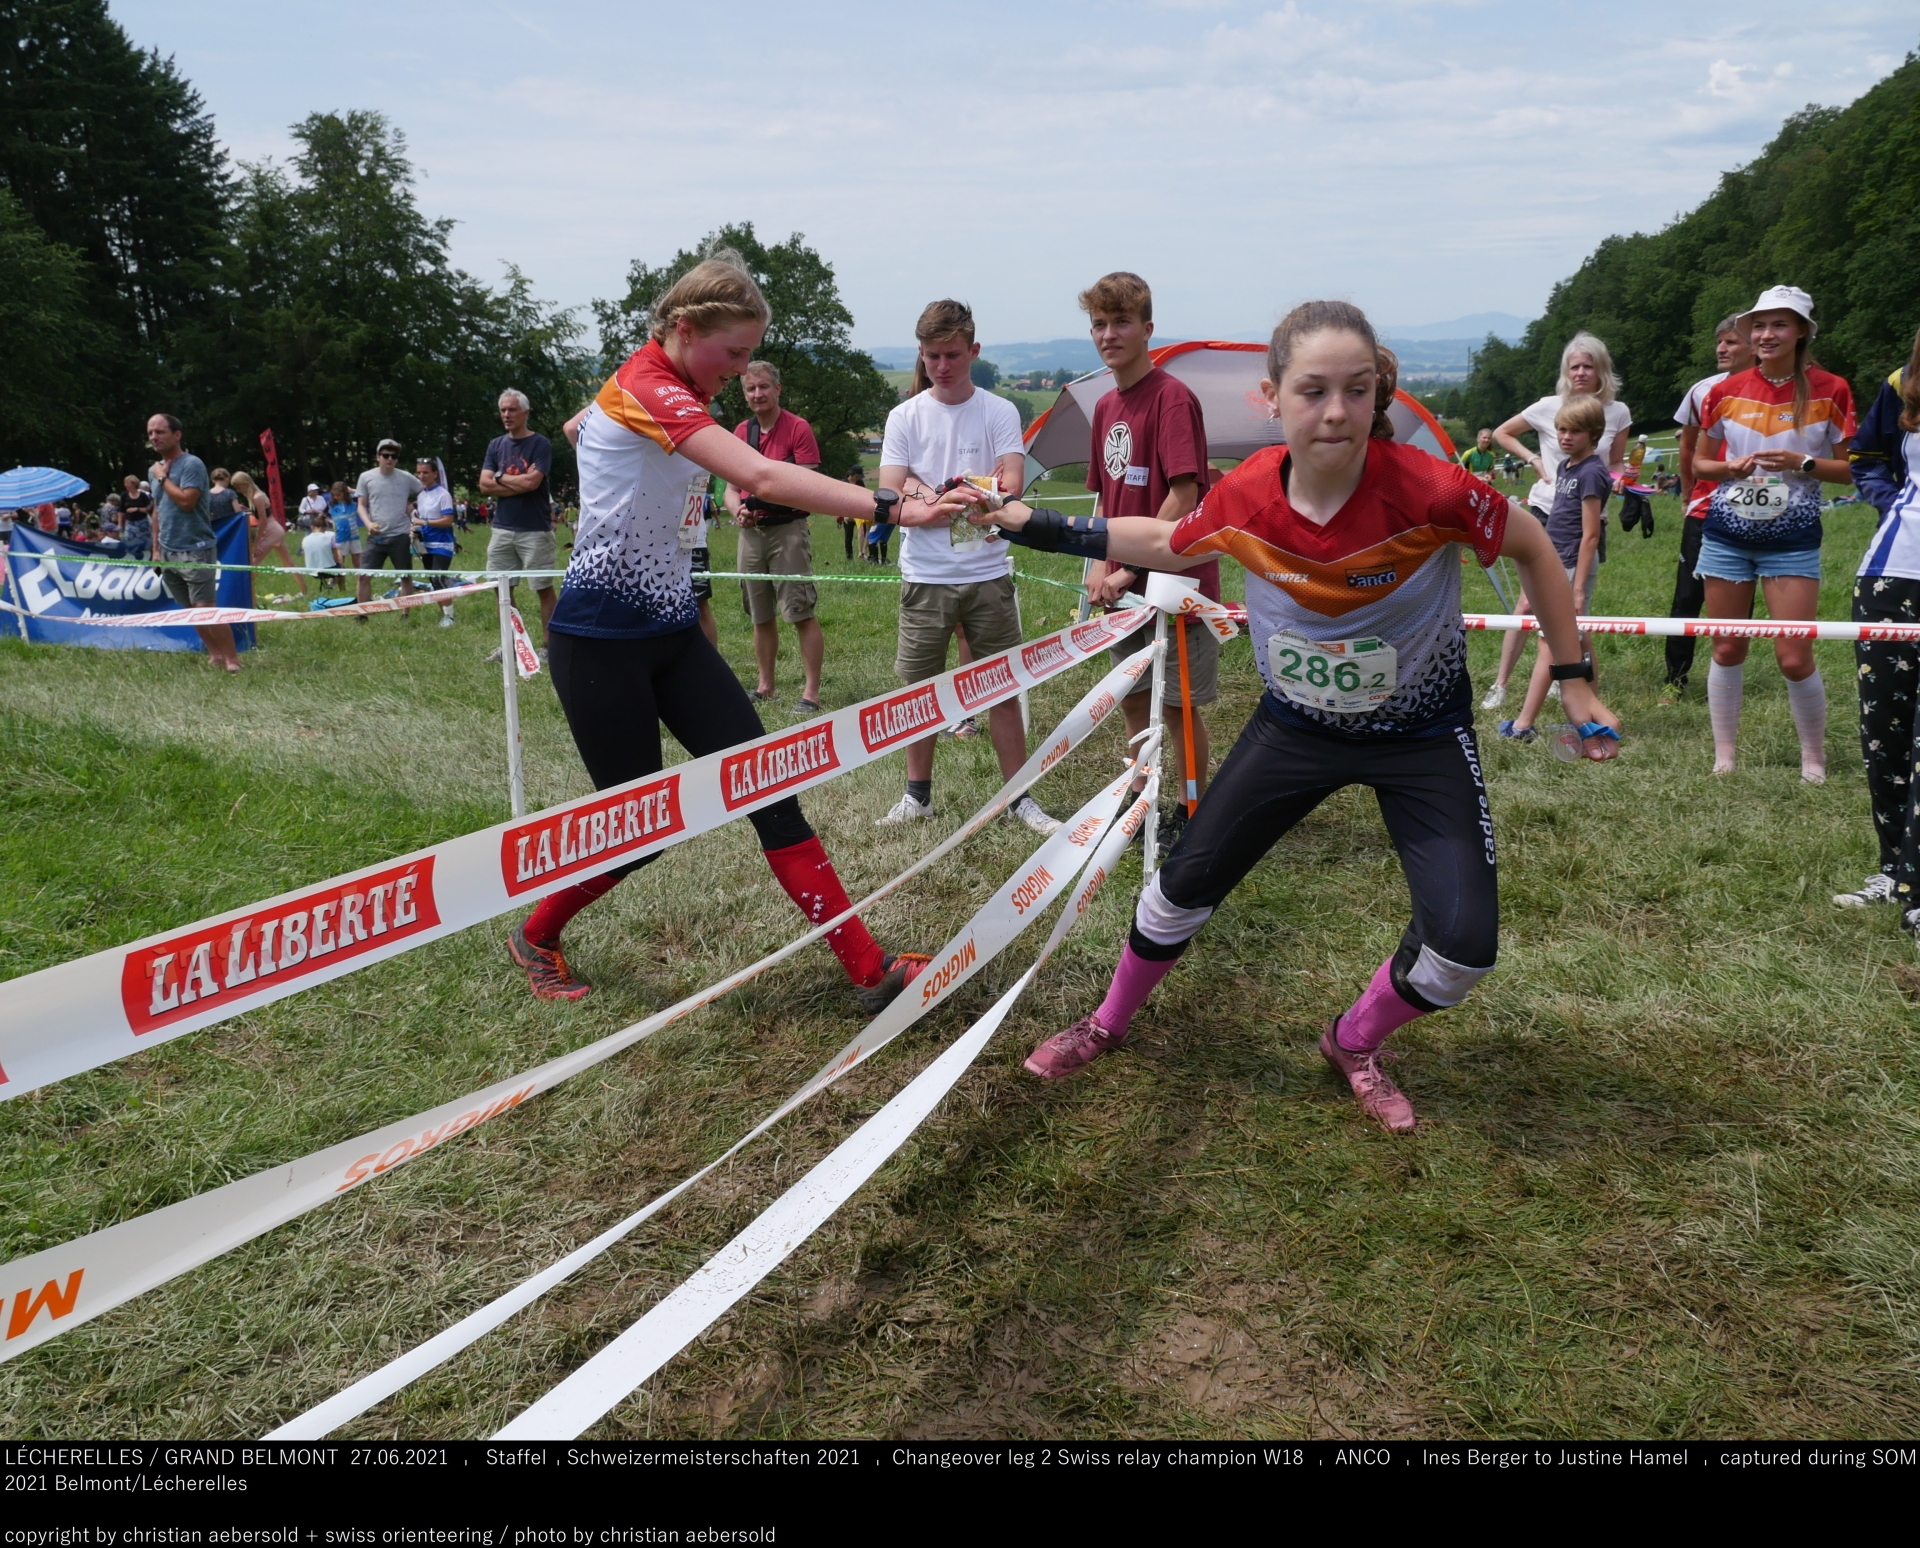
(1380, 1099)
(1067, 1051)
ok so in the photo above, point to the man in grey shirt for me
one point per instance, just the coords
(384, 493)
(182, 532)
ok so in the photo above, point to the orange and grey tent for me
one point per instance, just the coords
(1226, 378)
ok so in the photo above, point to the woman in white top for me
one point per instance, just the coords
(1585, 368)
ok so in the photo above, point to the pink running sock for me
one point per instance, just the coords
(1808, 701)
(1375, 1014)
(1133, 980)
(1725, 687)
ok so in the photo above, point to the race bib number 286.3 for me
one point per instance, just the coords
(1347, 677)
(1760, 498)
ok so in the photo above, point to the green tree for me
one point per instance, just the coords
(984, 374)
(1832, 205)
(340, 321)
(833, 386)
(56, 351)
(110, 153)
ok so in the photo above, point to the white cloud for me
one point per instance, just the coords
(1428, 160)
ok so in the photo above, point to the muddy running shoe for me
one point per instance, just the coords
(1073, 1049)
(1494, 697)
(548, 975)
(1380, 1099)
(1877, 888)
(896, 974)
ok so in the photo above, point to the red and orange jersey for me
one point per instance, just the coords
(647, 396)
(1746, 413)
(1384, 568)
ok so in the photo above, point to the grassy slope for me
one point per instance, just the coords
(1666, 1186)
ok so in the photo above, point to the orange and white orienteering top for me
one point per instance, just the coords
(1747, 413)
(1381, 581)
(631, 575)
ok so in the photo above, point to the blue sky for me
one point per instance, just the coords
(1423, 159)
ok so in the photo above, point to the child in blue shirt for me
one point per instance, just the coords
(1574, 526)
(345, 515)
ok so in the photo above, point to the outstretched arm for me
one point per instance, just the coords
(1545, 578)
(1129, 540)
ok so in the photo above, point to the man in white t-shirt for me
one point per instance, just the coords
(946, 429)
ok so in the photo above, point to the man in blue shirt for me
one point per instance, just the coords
(183, 532)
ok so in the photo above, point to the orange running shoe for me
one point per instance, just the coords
(896, 974)
(548, 975)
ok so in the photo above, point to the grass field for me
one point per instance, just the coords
(1666, 1186)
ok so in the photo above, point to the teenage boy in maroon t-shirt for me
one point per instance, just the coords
(1149, 458)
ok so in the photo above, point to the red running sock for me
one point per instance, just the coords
(808, 875)
(550, 914)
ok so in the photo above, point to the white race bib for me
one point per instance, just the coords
(1347, 677)
(1760, 498)
(693, 517)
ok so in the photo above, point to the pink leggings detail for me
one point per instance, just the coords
(1133, 980)
(1377, 1012)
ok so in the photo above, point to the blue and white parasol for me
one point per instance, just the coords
(35, 486)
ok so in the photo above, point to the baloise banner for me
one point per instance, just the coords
(63, 584)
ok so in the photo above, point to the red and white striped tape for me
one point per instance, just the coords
(90, 1011)
(205, 617)
(82, 1278)
(1711, 628)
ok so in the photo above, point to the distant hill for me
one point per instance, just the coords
(1828, 206)
(1502, 325)
(1432, 350)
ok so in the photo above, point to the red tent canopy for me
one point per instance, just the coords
(1226, 377)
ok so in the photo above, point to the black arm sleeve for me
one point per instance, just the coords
(1054, 532)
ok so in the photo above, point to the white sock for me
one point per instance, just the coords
(1726, 685)
(1808, 701)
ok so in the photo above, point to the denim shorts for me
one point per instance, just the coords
(1721, 560)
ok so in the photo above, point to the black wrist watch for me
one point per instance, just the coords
(1806, 464)
(1580, 668)
(885, 503)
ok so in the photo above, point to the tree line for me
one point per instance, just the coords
(1831, 205)
(140, 272)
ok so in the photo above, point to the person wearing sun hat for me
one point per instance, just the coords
(1770, 437)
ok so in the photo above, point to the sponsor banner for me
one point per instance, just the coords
(209, 967)
(58, 593)
(115, 1264)
(245, 617)
(900, 717)
(80, 1014)
(703, 1298)
(1711, 628)
(355, 1400)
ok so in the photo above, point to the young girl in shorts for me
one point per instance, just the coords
(1353, 601)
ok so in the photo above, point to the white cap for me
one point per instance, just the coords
(1784, 298)
(313, 489)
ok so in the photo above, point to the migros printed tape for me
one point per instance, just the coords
(80, 1279)
(90, 1011)
(404, 1369)
(617, 1370)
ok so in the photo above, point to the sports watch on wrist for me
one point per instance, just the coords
(1572, 669)
(885, 502)
(1806, 464)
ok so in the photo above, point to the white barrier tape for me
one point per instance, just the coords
(324, 1418)
(617, 1370)
(206, 617)
(1714, 628)
(526, 660)
(1171, 594)
(92, 1010)
(80, 1279)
